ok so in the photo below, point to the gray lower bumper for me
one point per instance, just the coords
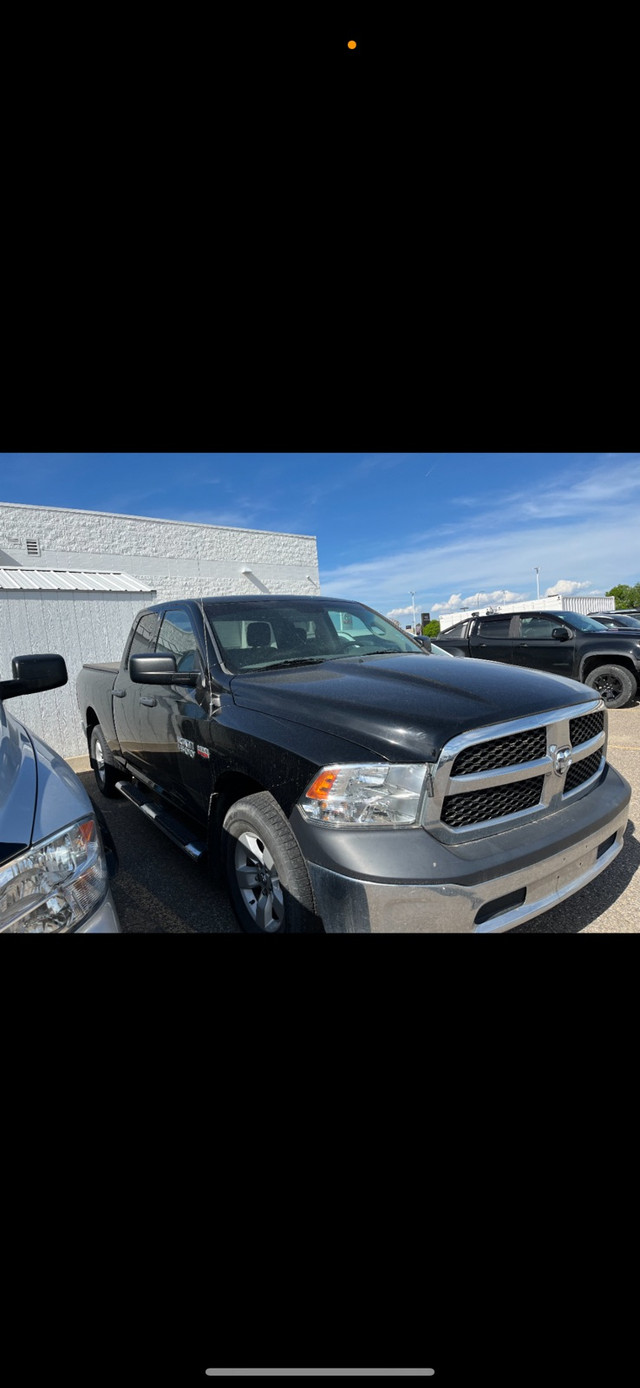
(349, 905)
(104, 921)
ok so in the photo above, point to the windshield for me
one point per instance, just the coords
(261, 634)
(617, 620)
(576, 619)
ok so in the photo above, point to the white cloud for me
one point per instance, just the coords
(500, 595)
(397, 612)
(452, 604)
(566, 587)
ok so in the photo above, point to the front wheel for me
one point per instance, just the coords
(266, 872)
(615, 684)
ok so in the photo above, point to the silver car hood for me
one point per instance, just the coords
(39, 793)
(18, 787)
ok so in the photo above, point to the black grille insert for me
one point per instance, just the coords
(584, 728)
(502, 751)
(582, 771)
(475, 806)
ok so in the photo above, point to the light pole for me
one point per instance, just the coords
(413, 604)
(537, 574)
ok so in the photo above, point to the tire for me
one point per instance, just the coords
(615, 684)
(104, 768)
(266, 873)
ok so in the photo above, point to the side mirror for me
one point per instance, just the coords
(560, 634)
(34, 673)
(424, 641)
(157, 669)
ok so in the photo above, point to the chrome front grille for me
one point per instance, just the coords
(502, 751)
(583, 729)
(473, 807)
(582, 771)
(513, 772)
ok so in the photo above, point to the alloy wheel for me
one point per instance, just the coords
(259, 883)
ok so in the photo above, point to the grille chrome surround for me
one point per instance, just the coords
(446, 800)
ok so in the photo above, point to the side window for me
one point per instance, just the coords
(538, 627)
(496, 628)
(144, 636)
(178, 638)
(457, 631)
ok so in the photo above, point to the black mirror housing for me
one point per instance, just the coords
(153, 669)
(560, 634)
(159, 669)
(33, 674)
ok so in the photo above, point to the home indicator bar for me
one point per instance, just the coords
(320, 1373)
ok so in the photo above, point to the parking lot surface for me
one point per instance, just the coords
(161, 892)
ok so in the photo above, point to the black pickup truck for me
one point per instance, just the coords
(341, 777)
(563, 643)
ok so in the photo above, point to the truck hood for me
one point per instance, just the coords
(39, 793)
(616, 640)
(404, 707)
(18, 787)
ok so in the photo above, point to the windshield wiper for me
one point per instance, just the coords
(300, 660)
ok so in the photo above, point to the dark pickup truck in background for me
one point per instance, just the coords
(340, 777)
(562, 643)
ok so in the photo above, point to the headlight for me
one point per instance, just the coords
(56, 884)
(370, 794)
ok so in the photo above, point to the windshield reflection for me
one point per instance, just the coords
(272, 632)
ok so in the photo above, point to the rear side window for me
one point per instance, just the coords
(458, 631)
(496, 628)
(144, 636)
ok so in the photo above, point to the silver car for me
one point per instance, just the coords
(56, 854)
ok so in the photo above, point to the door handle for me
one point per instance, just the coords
(119, 693)
(150, 703)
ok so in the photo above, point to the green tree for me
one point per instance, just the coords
(431, 629)
(626, 595)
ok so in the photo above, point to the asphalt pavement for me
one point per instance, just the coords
(159, 891)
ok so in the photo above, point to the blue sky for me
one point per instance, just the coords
(456, 528)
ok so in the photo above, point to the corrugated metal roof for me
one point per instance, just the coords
(78, 580)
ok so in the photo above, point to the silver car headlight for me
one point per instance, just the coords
(56, 884)
(369, 794)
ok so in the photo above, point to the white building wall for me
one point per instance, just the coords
(587, 605)
(170, 556)
(79, 626)
(177, 559)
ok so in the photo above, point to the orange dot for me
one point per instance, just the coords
(351, 43)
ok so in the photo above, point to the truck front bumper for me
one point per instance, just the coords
(492, 885)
